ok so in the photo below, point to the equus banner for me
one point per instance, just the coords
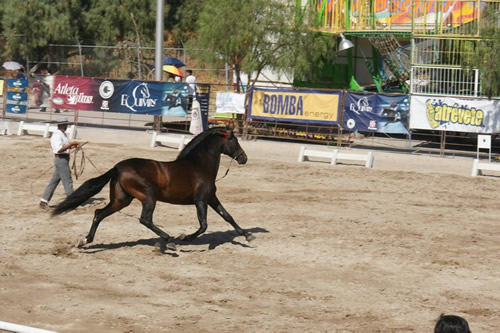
(301, 106)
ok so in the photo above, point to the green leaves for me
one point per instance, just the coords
(487, 54)
(252, 35)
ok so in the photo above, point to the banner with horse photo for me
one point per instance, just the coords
(376, 113)
(455, 114)
(152, 98)
(301, 106)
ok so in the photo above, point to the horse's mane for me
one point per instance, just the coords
(200, 138)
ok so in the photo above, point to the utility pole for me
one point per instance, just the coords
(158, 53)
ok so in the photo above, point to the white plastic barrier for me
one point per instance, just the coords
(478, 166)
(333, 155)
(44, 128)
(9, 327)
(5, 128)
(179, 140)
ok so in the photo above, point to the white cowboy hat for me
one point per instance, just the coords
(62, 120)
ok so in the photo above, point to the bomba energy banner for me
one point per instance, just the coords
(455, 114)
(376, 113)
(303, 106)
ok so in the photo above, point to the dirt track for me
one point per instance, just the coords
(338, 249)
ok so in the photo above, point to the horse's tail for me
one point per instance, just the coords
(86, 191)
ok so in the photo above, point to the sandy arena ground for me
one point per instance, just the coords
(339, 248)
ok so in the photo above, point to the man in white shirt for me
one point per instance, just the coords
(191, 81)
(61, 148)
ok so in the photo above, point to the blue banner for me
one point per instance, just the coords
(14, 108)
(17, 96)
(376, 113)
(153, 98)
(18, 83)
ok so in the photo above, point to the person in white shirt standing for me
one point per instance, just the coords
(191, 81)
(61, 148)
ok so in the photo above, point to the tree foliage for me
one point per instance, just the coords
(487, 54)
(29, 26)
(252, 35)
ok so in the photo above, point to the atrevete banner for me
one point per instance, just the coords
(455, 114)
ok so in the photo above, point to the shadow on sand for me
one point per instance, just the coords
(213, 240)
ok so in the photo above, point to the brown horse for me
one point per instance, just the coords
(189, 180)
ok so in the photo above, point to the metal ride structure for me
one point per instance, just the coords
(439, 33)
(422, 45)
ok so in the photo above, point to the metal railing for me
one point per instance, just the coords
(445, 81)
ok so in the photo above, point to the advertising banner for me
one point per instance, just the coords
(152, 98)
(42, 89)
(455, 114)
(16, 108)
(203, 96)
(376, 113)
(229, 102)
(174, 100)
(140, 97)
(17, 96)
(17, 83)
(303, 106)
(75, 93)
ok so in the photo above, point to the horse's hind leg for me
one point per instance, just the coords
(217, 206)
(118, 200)
(146, 219)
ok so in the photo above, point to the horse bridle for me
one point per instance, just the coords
(230, 162)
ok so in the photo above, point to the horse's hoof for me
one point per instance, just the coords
(159, 247)
(81, 242)
(181, 237)
(171, 246)
(249, 237)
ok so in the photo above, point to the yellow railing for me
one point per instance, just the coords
(418, 17)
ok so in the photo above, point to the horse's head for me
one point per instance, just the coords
(232, 147)
(144, 90)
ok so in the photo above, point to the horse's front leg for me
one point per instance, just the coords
(146, 219)
(217, 206)
(201, 210)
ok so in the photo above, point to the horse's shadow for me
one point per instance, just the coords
(213, 240)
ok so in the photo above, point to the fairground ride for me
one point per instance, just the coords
(415, 46)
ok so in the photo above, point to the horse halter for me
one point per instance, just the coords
(228, 134)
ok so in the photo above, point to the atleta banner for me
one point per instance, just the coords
(455, 114)
(303, 106)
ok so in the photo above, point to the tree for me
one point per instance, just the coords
(31, 25)
(252, 35)
(487, 54)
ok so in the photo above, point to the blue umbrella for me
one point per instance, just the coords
(173, 62)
